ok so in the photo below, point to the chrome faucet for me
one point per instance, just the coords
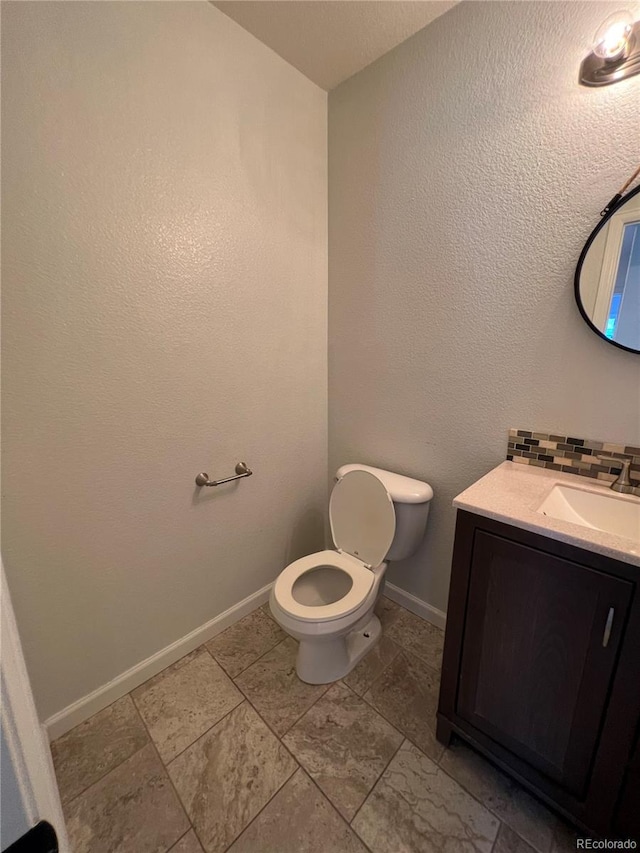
(623, 484)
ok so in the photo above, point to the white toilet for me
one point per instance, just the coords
(326, 600)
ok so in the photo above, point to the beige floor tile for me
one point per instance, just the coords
(228, 775)
(133, 809)
(344, 745)
(407, 695)
(187, 844)
(298, 820)
(92, 749)
(416, 807)
(417, 636)
(370, 667)
(185, 700)
(272, 686)
(386, 611)
(508, 842)
(243, 643)
(532, 821)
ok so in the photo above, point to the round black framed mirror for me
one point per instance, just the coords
(607, 281)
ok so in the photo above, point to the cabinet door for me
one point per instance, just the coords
(628, 819)
(539, 651)
(627, 824)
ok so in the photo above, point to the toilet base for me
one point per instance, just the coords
(324, 661)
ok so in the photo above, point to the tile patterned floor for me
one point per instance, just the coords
(226, 750)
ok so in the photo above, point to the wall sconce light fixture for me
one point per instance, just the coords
(615, 54)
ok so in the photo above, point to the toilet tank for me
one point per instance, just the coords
(411, 499)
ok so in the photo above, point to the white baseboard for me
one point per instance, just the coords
(416, 605)
(89, 705)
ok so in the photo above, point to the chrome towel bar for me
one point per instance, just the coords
(241, 471)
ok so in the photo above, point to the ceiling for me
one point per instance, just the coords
(329, 40)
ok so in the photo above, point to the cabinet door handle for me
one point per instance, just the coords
(607, 627)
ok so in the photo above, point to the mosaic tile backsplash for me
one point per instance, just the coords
(573, 455)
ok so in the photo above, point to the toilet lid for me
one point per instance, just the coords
(362, 516)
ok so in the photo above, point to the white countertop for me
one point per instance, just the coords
(513, 492)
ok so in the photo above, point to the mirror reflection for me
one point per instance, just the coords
(608, 276)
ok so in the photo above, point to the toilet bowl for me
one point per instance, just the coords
(326, 600)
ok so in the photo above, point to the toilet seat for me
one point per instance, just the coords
(363, 524)
(362, 580)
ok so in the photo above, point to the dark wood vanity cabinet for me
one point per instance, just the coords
(541, 669)
(627, 821)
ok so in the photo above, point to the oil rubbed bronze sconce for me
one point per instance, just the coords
(616, 52)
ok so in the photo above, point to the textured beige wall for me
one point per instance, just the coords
(466, 169)
(164, 274)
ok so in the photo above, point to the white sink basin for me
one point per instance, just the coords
(617, 514)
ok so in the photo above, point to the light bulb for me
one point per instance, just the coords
(612, 38)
